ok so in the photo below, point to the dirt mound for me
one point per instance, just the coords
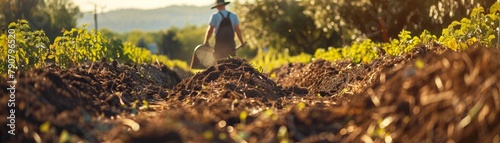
(52, 100)
(202, 107)
(134, 82)
(231, 78)
(43, 96)
(320, 77)
(437, 98)
(325, 78)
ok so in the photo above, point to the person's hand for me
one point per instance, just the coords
(206, 44)
(242, 45)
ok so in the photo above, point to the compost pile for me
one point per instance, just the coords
(439, 98)
(231, 79)
(52, 100)
(428, 95)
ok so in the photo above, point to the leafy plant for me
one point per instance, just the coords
(30, 46)
(273, 58)
(479, 28)
(74, 47)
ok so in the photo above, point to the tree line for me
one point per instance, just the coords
(52, 16)
(304, 26)
(291, 25)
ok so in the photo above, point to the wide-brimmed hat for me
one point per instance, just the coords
(219, 2)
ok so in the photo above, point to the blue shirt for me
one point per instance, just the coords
(216, 18)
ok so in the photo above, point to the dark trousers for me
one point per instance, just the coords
(224, 49)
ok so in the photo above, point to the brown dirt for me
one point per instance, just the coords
(230, 78)
(77, 99)
(428, 95)
(450, 97)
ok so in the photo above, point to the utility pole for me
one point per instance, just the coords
(95, 17)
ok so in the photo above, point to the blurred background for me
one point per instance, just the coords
(174, 28)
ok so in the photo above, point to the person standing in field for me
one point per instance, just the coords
(225, 24)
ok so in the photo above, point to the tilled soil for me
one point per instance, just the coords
(439, 98)
(75, 100)
(428, 95)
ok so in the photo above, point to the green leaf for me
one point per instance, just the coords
(476, 11)
(64, 137)
(282, 132)
(243, 116)
(454, 23)
(491, 37)
(45, 127)
(208, 135)
(145, 105)
(419, 64)
(495, 8)
(301, 105)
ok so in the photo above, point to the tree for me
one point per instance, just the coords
(142, 43)
(110, 34)
(169, 44)
(282, 24)
(136, 35)
(50, 15)
(190, 36)
(304, 26)
(179, 43)
(63, 15)
(12, 10)
(380, 20)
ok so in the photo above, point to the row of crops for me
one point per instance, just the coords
(32, 49)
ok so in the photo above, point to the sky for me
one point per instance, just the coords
(107, 5)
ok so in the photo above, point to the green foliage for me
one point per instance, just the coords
(305, 26)
(332, 54)
(375, 18)
(405, 43)
(283, 24)
(274, 58)
(140, 38)
(62, 14)
(30, 46)
(73, 48)
(368, 50)
(180, 43)
(190, 36)
(360, 52)
(11, 10)
(109, 34)
(479, 28)
(168, 43)
(77, 46)
(49, 15)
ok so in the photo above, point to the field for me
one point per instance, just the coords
(86, 88)
(431, 94)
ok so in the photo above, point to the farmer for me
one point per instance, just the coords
(225, 24)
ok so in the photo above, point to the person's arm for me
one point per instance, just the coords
(236, 22)
(209, 33)
(238, 33)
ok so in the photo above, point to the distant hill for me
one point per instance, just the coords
(125, 20)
